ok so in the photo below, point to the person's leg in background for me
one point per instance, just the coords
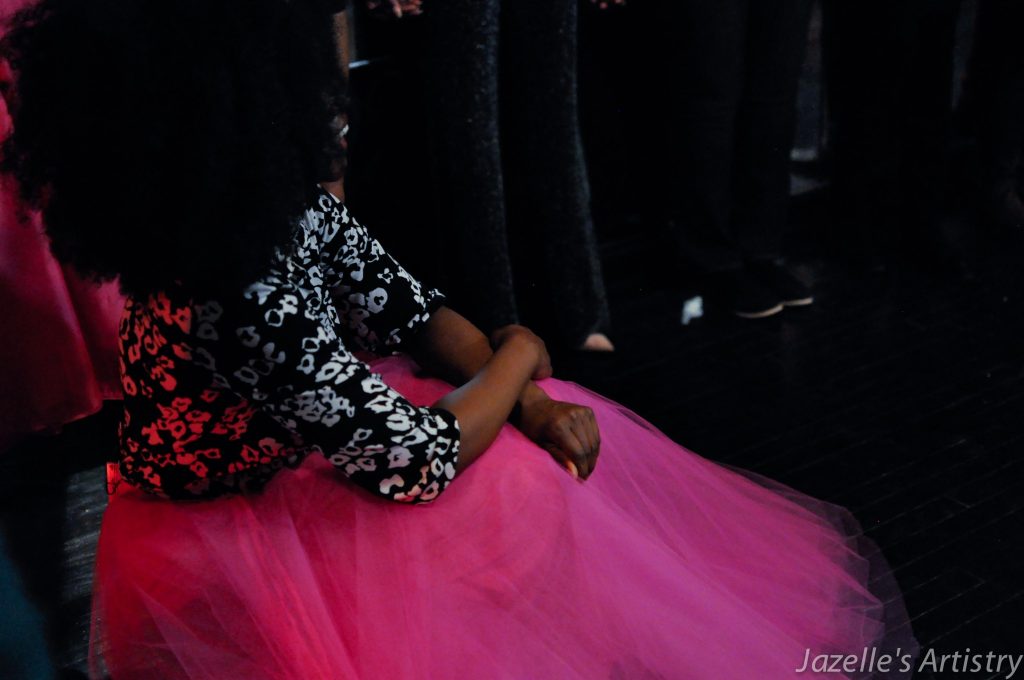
(462, 105)
(705, 68)
(998, 73)
(889, 74)
(775, 45)
(551, 228)
(862, 48)
(704, 78)
(926, 123)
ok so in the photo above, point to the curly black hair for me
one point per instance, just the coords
(173, 141)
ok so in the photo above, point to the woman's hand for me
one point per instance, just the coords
(396, 8)
(567, 431)
(496, 375)
(528, 341)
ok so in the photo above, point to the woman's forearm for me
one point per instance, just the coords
(483, 404)
(452, 348)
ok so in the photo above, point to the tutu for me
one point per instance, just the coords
(59, 346)
(662, 565)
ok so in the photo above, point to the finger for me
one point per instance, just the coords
(585, 432)
(597, 429)
(562, 458)
(581, 428)
(595, 435)
(585, 428)
(571, 444)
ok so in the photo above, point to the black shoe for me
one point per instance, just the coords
(790, 291)
(742, 294)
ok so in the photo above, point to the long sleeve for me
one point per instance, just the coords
(381, 305)
(281, 346)
(221, 393)
(290, 364)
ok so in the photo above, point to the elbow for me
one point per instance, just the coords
(421, 485)
(416, 494)
(413, 498)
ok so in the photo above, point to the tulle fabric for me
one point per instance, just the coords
(58, 349)
(662, 565)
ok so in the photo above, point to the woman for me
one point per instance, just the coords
(997, 73)
(250, 287)
(512, 190)
(59, 345)
(735, 69)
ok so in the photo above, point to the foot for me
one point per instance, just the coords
(790, 291)
(597, 342)
(742, 294)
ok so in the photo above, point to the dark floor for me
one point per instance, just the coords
(897, 394)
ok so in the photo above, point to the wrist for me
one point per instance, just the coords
(530, 397)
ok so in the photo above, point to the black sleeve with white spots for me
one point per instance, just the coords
(278, 346)
(381, 304)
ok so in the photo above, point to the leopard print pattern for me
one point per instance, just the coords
(221, 394)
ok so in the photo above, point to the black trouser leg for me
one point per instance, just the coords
(890, 86)
(775, 45)
(862, 75)
(705, 65)
(556, 261)
(926, 109)
(999, 75)
(462, 102)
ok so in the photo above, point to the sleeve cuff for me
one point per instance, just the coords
(433, 301)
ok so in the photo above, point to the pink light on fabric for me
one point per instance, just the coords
(662, 565)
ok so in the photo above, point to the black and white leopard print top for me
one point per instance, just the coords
(220, 394)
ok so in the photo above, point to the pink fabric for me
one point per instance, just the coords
(7, 7)
(662, 565)
(58, 351)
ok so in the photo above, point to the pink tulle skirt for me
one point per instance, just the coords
(662, 565)
(58, 349)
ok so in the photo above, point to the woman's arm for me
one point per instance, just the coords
(385, 308)
(482, 404)
(451, 347)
